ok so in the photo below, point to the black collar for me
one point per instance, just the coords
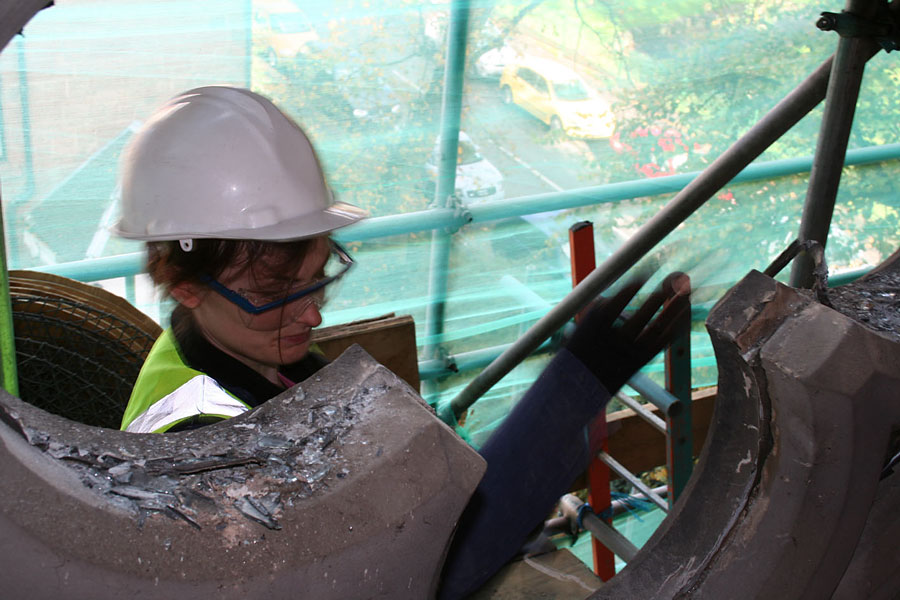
(232, 374)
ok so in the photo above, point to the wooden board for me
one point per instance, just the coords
(640, 447)
(391, 340)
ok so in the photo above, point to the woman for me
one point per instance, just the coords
(229, 195)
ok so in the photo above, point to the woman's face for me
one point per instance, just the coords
(286, 338)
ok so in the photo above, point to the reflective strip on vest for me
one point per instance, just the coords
(201, 395)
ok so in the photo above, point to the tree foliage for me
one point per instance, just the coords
(686, 80)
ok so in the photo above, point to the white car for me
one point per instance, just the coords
(490, 64)
(477, 180)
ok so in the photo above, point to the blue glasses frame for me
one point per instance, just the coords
(244, 304)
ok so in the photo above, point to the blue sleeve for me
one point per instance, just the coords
(532, 459)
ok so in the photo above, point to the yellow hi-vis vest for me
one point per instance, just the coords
(168, 392)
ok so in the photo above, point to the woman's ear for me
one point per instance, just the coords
(187, 294)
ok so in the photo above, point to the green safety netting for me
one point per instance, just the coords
(681, 82)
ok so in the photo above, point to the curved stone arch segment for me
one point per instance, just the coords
(808, 400)
(344, 486)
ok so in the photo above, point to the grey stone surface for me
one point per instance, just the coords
(874, 571)
(808, 401)
(345, 486)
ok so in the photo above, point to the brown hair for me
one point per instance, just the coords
(169, 265)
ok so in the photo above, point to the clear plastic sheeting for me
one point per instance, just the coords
(558, 95)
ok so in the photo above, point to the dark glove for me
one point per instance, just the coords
(614, 346)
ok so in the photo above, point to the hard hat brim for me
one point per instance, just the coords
(336, 216)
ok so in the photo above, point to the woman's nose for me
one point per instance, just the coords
(308, 313)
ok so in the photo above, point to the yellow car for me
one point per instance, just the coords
(559, 97)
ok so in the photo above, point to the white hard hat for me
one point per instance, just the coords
(223, 162)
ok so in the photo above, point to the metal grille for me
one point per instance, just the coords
(79, 349)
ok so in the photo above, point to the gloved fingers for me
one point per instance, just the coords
(635, 323)
(609, 309)
(659, 333)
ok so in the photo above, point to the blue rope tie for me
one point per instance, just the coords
(580, 516)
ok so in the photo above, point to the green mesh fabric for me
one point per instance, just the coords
(684, 80)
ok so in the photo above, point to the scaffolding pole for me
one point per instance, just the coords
(772, 126)
(834, 134)
(124, 265)
(451, 111)
(9, 380)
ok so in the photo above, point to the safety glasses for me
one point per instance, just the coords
(260, 308)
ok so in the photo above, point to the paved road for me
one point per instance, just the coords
(532, 159)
